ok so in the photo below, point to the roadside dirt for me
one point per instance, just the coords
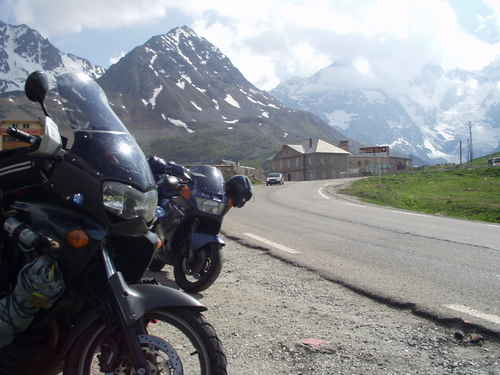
(276, 318)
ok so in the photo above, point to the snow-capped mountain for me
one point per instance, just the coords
(184, 99)
(23, 50)
(177, 93)
(426, 118)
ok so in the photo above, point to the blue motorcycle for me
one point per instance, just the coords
(192, 205)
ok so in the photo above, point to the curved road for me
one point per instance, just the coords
(446, 267)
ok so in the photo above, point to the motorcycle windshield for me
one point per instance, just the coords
(208, 180)
(100, 138)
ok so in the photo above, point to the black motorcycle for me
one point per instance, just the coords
(90, 212)
(192, 205)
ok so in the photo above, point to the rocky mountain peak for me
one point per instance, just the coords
(187, 88)
(23, 50)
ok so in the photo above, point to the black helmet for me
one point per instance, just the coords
(239, 189)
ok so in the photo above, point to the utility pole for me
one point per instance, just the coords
(460, 152)
(471, 155)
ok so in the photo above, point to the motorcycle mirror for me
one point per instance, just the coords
(36, 87)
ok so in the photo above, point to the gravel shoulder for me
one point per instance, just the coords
(277, 318)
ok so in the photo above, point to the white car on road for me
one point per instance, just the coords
(275, 178)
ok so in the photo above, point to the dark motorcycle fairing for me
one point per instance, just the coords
(199, 240)
(58, 222)
(87, 183)
(208, 179)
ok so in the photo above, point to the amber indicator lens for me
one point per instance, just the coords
(186, 192)
(78, 238)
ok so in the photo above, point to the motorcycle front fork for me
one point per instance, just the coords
(131, 324)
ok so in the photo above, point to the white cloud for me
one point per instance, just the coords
(115, 59)
(55, 17)
(272, 40)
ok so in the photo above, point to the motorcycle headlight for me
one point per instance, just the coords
(129, 203)
(210, 206)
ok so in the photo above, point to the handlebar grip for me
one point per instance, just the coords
(23, 136)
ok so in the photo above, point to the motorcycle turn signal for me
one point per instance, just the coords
(77, 238)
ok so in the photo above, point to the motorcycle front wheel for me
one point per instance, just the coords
(201, 272)
(176, 342)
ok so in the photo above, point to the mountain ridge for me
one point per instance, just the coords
(426, 118)
(23, 50)
(184, 99)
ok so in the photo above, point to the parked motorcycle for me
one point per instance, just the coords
(193, 203)
(76, 246)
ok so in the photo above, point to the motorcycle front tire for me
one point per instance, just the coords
(191, 324)
(206, 278)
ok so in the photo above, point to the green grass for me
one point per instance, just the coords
(463, 193)
(483, 161)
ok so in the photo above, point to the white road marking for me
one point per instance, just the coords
(478, 314)
(354, 204)
(320, 191)
(408, 213)
(273, 244)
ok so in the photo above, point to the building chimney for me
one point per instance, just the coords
(344, 145)
(310, 143)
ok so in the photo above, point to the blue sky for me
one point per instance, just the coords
(273, 40)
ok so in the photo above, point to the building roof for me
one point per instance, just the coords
(311, 146)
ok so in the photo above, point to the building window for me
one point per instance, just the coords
(297, 162)
(26, 126)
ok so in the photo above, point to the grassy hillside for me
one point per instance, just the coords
(464, 193)
(483, 161)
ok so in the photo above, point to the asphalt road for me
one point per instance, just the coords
(441, 266)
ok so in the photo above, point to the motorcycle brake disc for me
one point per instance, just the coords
(152, 347)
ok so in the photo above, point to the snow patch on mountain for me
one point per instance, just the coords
(196, 106)
(216, 104)
(339, 118)
(180, 124)
(187, 78)
(230, 100)
(181, 84)
(156, 92)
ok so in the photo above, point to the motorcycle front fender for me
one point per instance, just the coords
(137, 299)
(199, 240)
(153, 297)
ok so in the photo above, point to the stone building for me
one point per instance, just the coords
(368, 165)
(317, 159)
(313, 159)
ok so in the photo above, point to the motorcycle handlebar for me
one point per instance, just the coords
(23, 136)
